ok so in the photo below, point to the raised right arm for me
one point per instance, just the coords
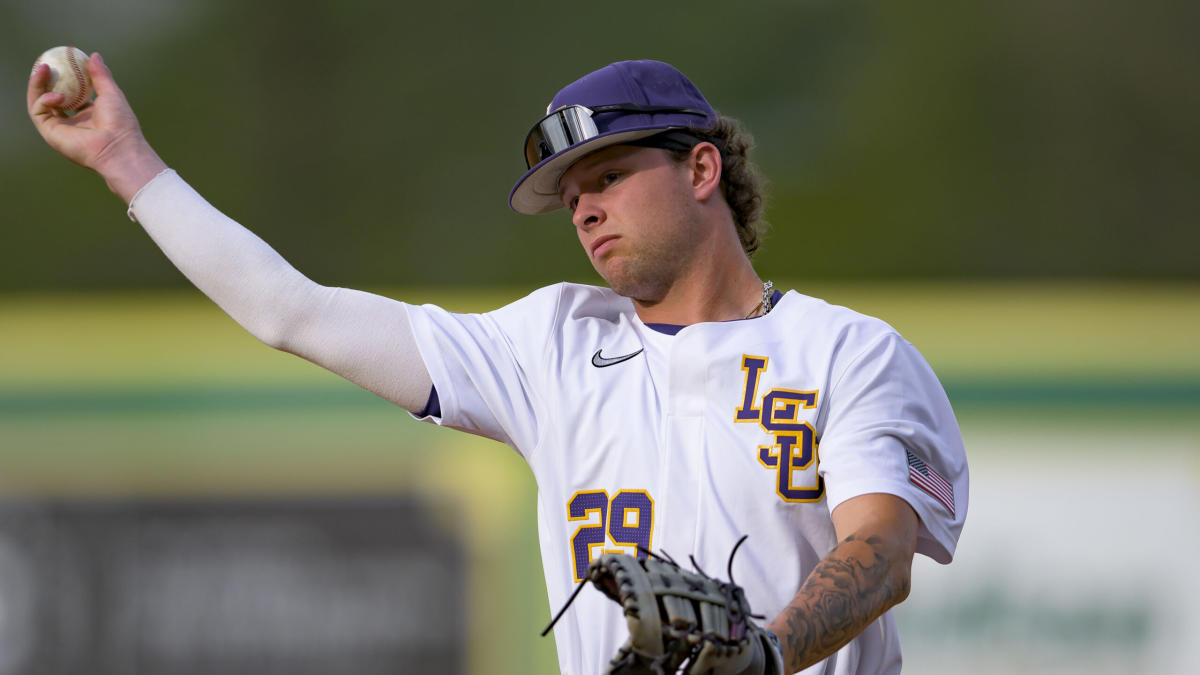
(363, 337)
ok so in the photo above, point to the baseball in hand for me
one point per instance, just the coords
(68, 75)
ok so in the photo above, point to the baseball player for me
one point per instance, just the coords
(684, 406)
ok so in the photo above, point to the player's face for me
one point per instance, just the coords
(634, 211)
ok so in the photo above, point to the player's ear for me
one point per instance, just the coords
(705, 164)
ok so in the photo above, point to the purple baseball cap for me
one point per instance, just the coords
(620, 103)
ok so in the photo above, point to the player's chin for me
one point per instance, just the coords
(609, 270)
(631, 282)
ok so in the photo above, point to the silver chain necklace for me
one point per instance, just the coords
(765, 303)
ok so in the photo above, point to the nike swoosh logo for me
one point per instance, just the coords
(604, 361)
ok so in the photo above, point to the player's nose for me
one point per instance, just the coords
(588, 212)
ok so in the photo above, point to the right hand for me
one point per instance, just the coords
(103, 136)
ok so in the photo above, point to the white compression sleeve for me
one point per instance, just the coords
(365, 338)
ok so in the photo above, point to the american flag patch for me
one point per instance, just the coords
(924, 477)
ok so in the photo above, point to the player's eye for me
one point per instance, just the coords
(573, 203)
(610, 177)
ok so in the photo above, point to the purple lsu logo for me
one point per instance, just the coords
(795, 449)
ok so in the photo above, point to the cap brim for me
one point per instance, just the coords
(537, 191)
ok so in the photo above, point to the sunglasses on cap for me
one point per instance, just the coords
(571, 125)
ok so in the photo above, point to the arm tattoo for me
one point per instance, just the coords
(845, 592)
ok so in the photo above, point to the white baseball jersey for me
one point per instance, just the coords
(686, 442)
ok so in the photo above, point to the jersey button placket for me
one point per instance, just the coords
(682, 459)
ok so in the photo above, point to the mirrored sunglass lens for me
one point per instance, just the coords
(557, 132)
(556, 136)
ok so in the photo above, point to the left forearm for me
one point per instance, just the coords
(851, 587)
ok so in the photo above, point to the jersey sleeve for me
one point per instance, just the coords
(486, 367)
(890, 428)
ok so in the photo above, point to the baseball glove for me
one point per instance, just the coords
(680, 619)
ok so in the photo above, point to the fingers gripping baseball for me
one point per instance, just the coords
(96, 128)
(103, 135)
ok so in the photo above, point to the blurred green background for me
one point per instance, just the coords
(1012, 185)
(371, 141)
